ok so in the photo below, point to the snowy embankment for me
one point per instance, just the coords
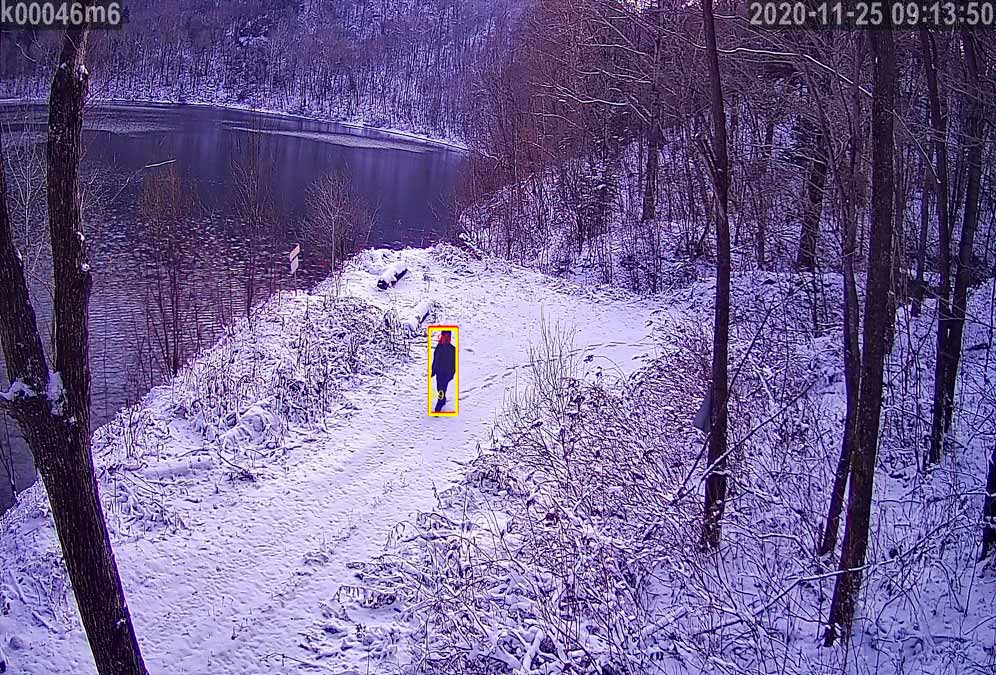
(240, 496)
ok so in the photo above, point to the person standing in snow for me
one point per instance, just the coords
(443, 365)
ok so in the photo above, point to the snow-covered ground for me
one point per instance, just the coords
(572, 543)
(240, 496)
(286, 505)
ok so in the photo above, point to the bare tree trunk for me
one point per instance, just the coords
(975, 141)
(877, 317)
(921, 249)
(938, 124)
(813, 207)
(715, 484)
(653, 167)
(852, 382)
(761, 247)
(654, 133)
(899, 287)
(53, 410)
(852, 318)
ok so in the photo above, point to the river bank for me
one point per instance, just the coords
(451, 141)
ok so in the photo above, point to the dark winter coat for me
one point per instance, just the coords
(444, 361)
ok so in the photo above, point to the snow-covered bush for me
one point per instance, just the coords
(233, 407)
(290, 367)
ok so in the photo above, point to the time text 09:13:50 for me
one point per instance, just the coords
(872, 14)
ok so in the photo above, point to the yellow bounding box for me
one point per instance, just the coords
(444, 371)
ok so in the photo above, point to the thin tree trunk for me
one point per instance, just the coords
(53, 409)
(813, 208)
(921, 250)
(877, 317)
(654, 133)
(852, 318)
(899, 286)
(976, 129)
(852, 381)
(938, 125)
(715, 484)
(762, 229)
(653, 167)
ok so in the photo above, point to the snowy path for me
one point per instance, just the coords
(234, 591)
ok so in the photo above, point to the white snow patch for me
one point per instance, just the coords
(18, 389)
(56, 393)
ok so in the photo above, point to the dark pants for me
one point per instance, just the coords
(442, 382)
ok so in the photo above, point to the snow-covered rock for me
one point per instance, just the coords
(420, 315)
(392, 275)
(257, 426)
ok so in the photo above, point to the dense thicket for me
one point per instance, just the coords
(607, 101)
(598, 153)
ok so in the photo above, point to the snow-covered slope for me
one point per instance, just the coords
(239, 495)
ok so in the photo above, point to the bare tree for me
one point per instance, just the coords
(718, 161)
(166, 204)
(875, 339)
(975, 132)
(255, 205)
(654, 131)
(919, 283)
(818, 145)
(846, 177)
(816, 182)
(939, 131)
(53, 408)
(339, 220)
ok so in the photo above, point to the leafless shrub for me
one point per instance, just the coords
(292, 364)
(339, 221)
(166, 205)
(255, 205)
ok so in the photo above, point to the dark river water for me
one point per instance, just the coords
(196, 208)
